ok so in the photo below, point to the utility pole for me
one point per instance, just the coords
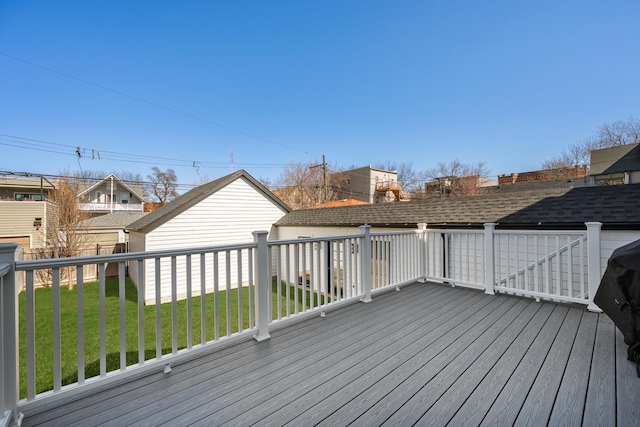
(324, 175)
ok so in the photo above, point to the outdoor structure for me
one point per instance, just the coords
(26, 222)
(616, 165)
(371, 185)
(25, 213)
(575, 172)
(111, 228)
(224, 211)
(111, 194)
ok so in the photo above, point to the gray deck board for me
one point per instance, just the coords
(568, 408)
(427, 355)
(628, 386)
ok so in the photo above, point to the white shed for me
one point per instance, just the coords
(222, 212)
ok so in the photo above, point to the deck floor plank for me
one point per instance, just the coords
(628, 386)
(430, 355)
(600, 409)
(481, 364)
(312, 358)
(377, 370)
(377, 347)
(568, 408)
(537, 407)
(506, 407)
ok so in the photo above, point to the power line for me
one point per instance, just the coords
(83, 152)
(164, 107)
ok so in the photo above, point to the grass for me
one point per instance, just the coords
(69, 330)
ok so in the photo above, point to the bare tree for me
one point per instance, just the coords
(303, 186)
(455, 179)
(68, 236)
(163, 184)
(621, 132)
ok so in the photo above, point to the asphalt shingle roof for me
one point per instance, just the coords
(613, 205)
(113, 220)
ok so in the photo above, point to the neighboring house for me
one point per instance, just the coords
(18, 188)
(110, 229)
(25, 213)
(370, 185)
(544, 175)
(26, 222)
(111, 194)
(616, 165)
(617, 207)
(222, 212)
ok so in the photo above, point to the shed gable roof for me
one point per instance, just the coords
(180, 204)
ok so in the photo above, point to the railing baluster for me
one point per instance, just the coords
(227, 262)
(278, 282)
(141, 345)
(203, 299)
(80, 321)
(240, 290)
(56, 323)
(250, 262)
(296, 269)
(158, 310)
(174, 305)
(123, 320)
(288, 278)
(103, 320)
(569, 267)
(31, 335)
(216, 294)
(189, 308)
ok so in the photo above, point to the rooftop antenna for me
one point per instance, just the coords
(231, 160)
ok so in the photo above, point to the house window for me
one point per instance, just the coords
(124, 197)
(99, 196)
(19, 197)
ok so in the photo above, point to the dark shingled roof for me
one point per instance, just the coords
(180, 204)
(614, 206)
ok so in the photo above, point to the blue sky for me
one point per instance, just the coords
(508, 83)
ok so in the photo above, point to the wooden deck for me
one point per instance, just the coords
(426, 355)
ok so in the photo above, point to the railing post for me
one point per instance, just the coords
(593, 261)
(422, 228)
(489, 261)
(8, 335)
(263, 285)
(366, 262)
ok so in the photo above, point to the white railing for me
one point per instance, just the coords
(174, 304)
(116, 207)
(551, 265)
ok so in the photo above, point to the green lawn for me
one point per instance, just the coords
(69, 330)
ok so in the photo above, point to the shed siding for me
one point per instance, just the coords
(612, 240)
(227, 217)
(136, 244)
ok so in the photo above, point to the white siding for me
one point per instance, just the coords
(227, 217)
(612, 240)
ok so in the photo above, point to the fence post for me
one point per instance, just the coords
(8, 335)
(422, 227)
(366, 262)
(489, 261)
(593, 262)
(263, 285)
